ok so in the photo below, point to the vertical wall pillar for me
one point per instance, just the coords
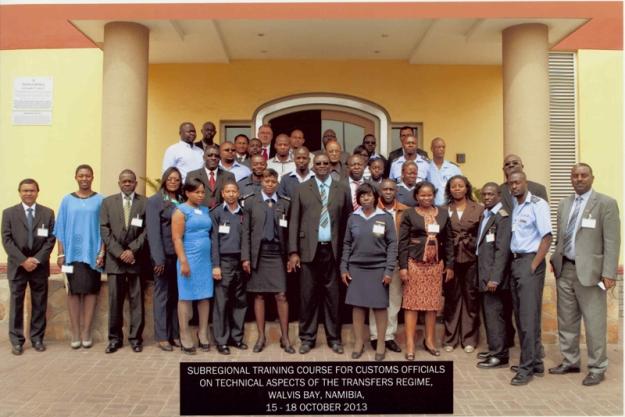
(526, 97)
(124, 103)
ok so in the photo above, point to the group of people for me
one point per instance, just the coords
(406, 232)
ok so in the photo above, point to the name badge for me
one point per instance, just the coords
(378, 228)
(589, 223)
(68, 269)
(514, 227)
(490, 237)
(283, 222)
(42, 232)
(434, 228)
(197, 211)
(224, 229)
(136, 222)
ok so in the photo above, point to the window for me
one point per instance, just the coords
(395, 127)
(230, 129)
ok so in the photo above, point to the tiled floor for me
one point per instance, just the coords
(63, 382)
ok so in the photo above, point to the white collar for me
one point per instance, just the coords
(25, 207)
(401, 184)
(273, 197)
(226, 207)
(361, 213)
(132, 196)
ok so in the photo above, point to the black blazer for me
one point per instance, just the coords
(413, 234)
(117, 237)
(252, 229)
(158, 214)
(535, 188)
(223, 176)
(493, 260)
(305, 215)
(15, 240)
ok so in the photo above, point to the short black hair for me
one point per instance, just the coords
(270, 172)
(492, 184)
(83, 166)
(367, 188)
(242, 135)
(28, 181)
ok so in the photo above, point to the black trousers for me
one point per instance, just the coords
(119, 285)
(230, 302)
(319, 288)
(165, 301)
(462, 307)
(38, 284)
(527, 296)
(495, 323)
(508, 316)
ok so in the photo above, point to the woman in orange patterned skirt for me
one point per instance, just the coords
(426, 253)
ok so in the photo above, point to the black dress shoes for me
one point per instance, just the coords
(337, 348)
(593, 379)
(492, 362)
(112, 347)
(521, 379)
(358, 353)
(305, 348)
(17, 349)
(433, 352)
(392, 346)
(287, 346)
(374, 343)
(39, 346)
(137, 348)
(564, 369)
(537, 371)
(239, 345)
(484, 355)
(223, 349)
(259, 346)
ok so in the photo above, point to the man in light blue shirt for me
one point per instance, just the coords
(184, 155)
(441, 170)
(410, 154)
(531, 237)
(229, 162)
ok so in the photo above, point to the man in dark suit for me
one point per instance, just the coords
(212, 176)
(356, 169)
(493, 261)
(27, 239)
(208, 133)
(585, 263)
(319, 211)
(123, 232)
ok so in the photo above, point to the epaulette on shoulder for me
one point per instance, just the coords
(285, 197)
(534, 199)
(246, 196)
(453, 163)
(503, 213)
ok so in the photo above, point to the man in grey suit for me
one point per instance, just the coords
(122, 226)
(212, 176)
(319, 211)
(28, 240)
(585, 263)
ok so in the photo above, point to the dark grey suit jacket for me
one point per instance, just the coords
(305, 214)
(252, 229)
(223, 176)
(118, 238)
(493, 259)
(535, 188)
(15, 240)
(158, 214)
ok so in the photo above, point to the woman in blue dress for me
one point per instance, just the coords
(191, 232)
(81, 254)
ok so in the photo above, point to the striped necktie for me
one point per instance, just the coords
(127, 206)
(324, 219)
(570, 227)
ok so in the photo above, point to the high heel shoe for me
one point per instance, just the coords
(286, 346)
(433, 352)
(205, 347)
(380, 356)
(259, 346)
(188, 351)
(87, 344)
(358, 354)
(75, 344)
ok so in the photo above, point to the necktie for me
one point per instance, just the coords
(211, 181)
(127, 205)
(30, 220)
(265, 154)
(570, 227)
(355, 185)
(324, 219)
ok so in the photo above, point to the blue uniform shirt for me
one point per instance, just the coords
(325, 233)
(423, 166)
(531, 222)
(238, 170)
(439, 178)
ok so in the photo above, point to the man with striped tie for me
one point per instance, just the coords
(319, 211)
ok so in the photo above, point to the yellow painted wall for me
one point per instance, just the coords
(462, 104)
(51, 153)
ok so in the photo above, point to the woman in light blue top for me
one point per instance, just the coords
(81, 254)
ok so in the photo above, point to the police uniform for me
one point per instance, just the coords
(423, 167)
(291, 181)
(530, 224)
(230, 303)
(248, 186)
(439, 178)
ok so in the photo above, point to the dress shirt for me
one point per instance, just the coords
(208, 175)
(582, 205)
(353, 186)
(131, 196)
(487, 215)
(423, 167)
(325, 233)
(531, 221)
(184, 156)
(34, 207)
(281, 167)
(238, 170)
(439, 178)
(273, 197)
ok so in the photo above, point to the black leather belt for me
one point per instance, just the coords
(522, 255)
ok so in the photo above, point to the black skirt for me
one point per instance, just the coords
(270, 275)
(83, 280)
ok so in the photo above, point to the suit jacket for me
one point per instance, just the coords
(223, 176)
(535, 188)
(345, 182)
(493, 260)
(464, 231)
(596, 249)
(413, 235)
(15, 240)
(118, 237)
(305, 215)
(158, 214)
(252, 229)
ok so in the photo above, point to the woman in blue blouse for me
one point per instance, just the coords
(81, 254)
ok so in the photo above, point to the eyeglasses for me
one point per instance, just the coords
(322, 163)
(228, 149)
